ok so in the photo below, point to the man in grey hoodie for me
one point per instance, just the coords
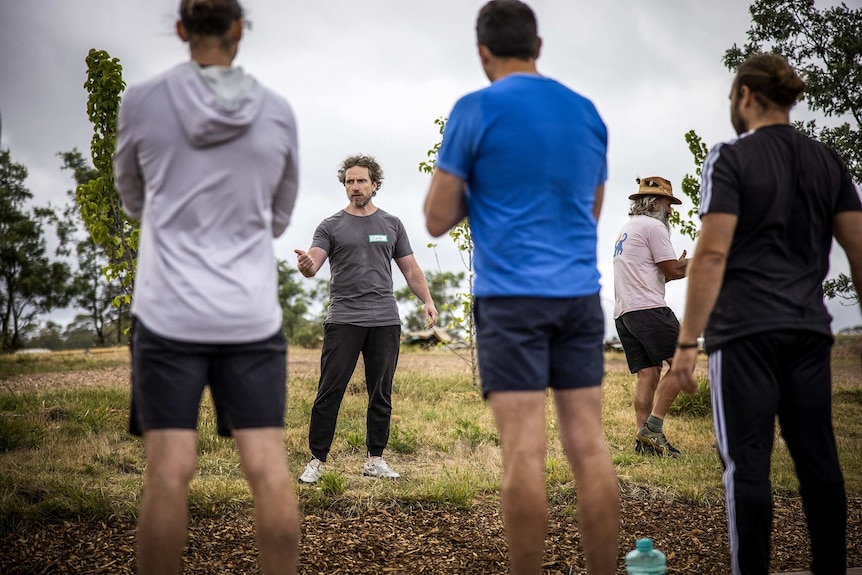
(206, 157)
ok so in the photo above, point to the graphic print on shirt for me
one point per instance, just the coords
(618, 248)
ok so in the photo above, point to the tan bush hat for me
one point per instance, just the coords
(655, 186)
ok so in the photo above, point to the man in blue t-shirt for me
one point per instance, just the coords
(525, 160)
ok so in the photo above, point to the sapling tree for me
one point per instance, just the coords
(97, 199)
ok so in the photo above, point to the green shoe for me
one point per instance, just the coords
(655, 442)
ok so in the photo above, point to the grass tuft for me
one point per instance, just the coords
(332, 484)
(697, 405)
(403, 440)
(17, 432)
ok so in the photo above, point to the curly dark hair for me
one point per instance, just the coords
(375, 172)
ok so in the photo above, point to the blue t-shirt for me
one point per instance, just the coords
(532, 153)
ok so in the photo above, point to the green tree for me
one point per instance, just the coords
(443, 287)
(48, 336)
(92, 290)
(79, 333)
(30, 283)
(826, 47)
(301, 327)
(691, 187)
(291, 296)
(97, 198)
(460, 234)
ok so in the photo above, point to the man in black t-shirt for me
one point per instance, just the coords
(771, 202)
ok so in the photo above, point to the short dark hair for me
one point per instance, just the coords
(209, 17)
(772, 81)
(508, 29)
(375, 172)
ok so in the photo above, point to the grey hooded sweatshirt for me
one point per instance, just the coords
(207, 159)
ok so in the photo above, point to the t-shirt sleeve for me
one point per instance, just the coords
(658, 241)
(848, 196)
(460, 137)
(402, 243)
(719, 187)
(602, 132)
(321, 237)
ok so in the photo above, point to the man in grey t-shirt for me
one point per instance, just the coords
(360, 241)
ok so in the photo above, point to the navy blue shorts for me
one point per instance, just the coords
(247, 381)
(648, 336)
(530, 344)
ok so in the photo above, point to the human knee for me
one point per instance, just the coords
(267, 477)
(648, 380)
(583, 446)
(521, 467)
(172, 476)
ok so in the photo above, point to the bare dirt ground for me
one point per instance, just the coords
(390, 538)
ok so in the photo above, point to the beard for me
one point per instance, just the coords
(661, 215)
(738, 124)
(736, 119)
(361, 202)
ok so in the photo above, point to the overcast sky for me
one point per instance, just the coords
(372, 76)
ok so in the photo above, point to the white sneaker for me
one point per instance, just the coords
(378, 467)
(313, 471)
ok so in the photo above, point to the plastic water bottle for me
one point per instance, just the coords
(644, 560)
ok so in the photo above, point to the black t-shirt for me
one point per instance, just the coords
(785, 188)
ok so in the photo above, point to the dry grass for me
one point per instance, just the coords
(77, 460)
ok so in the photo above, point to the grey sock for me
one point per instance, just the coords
(654, 424)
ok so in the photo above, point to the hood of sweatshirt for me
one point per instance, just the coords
(213, 104)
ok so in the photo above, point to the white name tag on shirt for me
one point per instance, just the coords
(377, 238)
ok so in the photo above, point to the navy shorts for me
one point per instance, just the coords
(648, 336)
(530, 344)
(247, 381)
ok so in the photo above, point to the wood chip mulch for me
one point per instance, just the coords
(424, 541)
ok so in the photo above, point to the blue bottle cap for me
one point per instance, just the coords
(644, 544)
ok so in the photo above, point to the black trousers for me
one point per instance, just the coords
(752, 380)
(342, 344)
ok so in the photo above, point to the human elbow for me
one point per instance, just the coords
(435, 225)
(710, 258)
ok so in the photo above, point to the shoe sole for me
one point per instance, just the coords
(657, 448)
(644, 448)
(373, 476)
(312, 482)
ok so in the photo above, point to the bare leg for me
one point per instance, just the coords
(665, 394)
(163, 517)
(276, 516)
(645, 390)
(520, 417)
(579, 418)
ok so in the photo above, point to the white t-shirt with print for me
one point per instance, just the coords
(638, 282)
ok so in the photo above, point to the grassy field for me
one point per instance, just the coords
(65, 453)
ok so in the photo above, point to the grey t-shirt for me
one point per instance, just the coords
(360, 251)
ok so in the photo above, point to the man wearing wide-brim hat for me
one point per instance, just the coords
(644, 260)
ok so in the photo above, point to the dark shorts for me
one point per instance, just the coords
(530, 344)
(247, 381)
(648, 336)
